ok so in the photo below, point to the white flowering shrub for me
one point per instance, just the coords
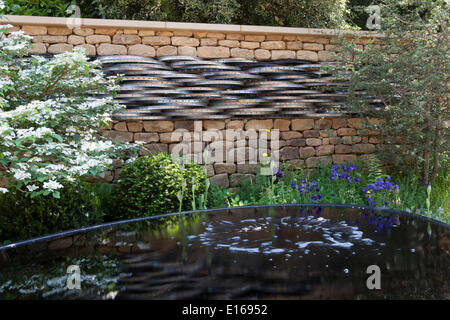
(50, 119)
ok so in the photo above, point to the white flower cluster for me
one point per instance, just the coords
(49, 133)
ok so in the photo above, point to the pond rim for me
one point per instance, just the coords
(63, 234)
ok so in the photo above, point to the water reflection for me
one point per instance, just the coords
(263, 253)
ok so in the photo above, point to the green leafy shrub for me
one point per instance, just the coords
(150, 185)
(204, 11)
(297, 13)
(50, 8)
(23, 217)
(133, 9)
(53, 8)
(407, 72)
(293, 13)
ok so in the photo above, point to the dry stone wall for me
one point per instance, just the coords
(304, 143)
(103, 41)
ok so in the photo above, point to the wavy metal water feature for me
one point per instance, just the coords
(257, 252)
(184, 87)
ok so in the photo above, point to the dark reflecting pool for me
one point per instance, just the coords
(268, 252)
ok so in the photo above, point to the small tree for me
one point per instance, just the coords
(50, 120)
(406, 72)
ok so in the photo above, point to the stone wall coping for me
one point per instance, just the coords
(170, 26)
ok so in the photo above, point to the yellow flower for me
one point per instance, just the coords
(268, 131)
(265, 154)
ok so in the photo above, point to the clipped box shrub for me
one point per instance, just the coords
(150, 184)
(23, 217)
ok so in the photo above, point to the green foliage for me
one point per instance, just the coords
(410, 195)
(50, 8)
(133, 9)
(202, 11)
(289, 13)
(357, 15)
(408, 74)
(150, 185)
(221, 197)
(299, 13)
(293, 13)
(23, 217)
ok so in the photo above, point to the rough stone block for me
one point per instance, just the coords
(262, 54)
(273, 45)
(249, 45)
(302, 124)
(106, 49)
(135, 126)
(259, 124)
(94, 39)
(346, 132)
(293, 45)
(106, 31)
(225, 168)
(213, 52)
(121, 126)
(187, 51)
(166, 51)
(313, 142)
(229, 43)
(323, 124)
(307, 55)
(282, 124)
(307, 152)
(213, 124)
(156, 40)
(312, 46)
(158, 126)
(296, 142)
(60, 48)
(128, 39)
(38, 48)
(339, 123)
(146, 33)
(146, 137)
(35, 30)
(208, 42)
(154, 148)
(142, 50)
(311, 134)
(235, 125)
(84, 32)
(363, 148)
(288, 135)
(91, 50)
(242, 53)
(119, 136)
(289, 153)
(59, 31)
(185, 41)
(283, 54)
(252, 37)
(325, 150)
(342, 148)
